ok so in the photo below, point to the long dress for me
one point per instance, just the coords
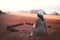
(39, 27)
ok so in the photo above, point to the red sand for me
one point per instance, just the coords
(8, 19)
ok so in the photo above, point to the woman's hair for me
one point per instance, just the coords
(41, 17)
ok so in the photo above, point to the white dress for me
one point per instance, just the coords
(39, 27)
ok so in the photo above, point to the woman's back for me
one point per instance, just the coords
(39, 27)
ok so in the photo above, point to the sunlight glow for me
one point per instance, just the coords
(16, 5)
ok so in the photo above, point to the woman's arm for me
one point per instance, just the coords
(45, 26)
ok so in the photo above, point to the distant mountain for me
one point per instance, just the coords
(1, 12)
(22, 11)
(54, 13)
(35, 11)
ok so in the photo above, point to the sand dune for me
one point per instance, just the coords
(12, 19)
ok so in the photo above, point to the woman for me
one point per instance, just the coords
(40, 26)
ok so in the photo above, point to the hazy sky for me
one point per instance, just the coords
(15, 5)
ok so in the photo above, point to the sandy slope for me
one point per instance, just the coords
(9, 19)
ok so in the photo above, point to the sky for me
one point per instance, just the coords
(16, 5)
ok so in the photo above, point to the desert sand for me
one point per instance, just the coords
(25, 30)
